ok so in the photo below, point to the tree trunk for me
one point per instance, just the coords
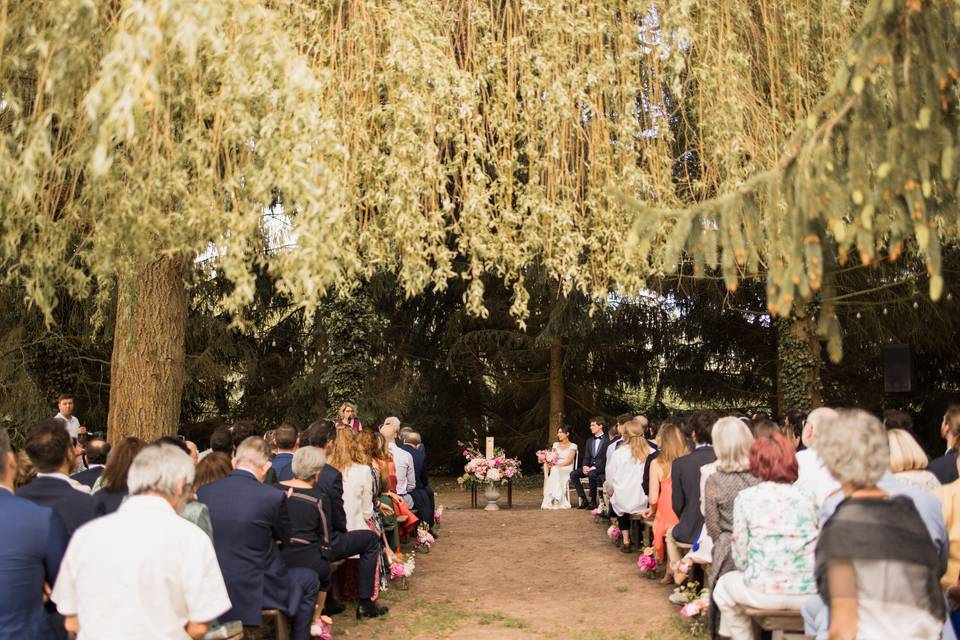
(798, 362)
(147, 366)
(557, 391)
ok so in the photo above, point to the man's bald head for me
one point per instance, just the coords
(815, 420)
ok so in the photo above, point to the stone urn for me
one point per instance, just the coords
(492, 494)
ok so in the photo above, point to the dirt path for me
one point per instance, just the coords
(520, 574)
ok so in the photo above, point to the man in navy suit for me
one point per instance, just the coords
(287, 442)
(593, 463)
(343, 543)
(686, 479)
(422, 494)
(51, 452)
(34, 540)
(97, 451)
(248, 519)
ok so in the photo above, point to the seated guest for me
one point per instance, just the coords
(731, 441)
(34, 540)
(102, 590)
(309, 528)
(249, 518)
(26, 472)
(343, 543)
(287, 440)
(614, 439)
(193, 510)
(374, 448)
(592, 465)
(97, 450)
(357, 481)
(402, 460)
(949, 496)
(875, 565)
(211, 468)
(193, 451)
(896, 419)
(792, 427)
(774, 535)
(908, 461)
(52, 453)
(111, 486)
(221, 440)
(945, 467)
(673, 444)
(625, 474)
(686, 480)
(813, 475)
(422, 494)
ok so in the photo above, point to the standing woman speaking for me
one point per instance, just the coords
(347, 418)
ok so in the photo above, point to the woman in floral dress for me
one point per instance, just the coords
(775, 526)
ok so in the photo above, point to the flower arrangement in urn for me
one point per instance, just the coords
(481, 469)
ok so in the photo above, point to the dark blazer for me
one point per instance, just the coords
(598, 460)
(88, 476)
(945, 467)
(248, 519)
(331, 481)
(419, 464)
(34, 540)
(685, 473)
(282, 465)
(75, 508)
(109, 501)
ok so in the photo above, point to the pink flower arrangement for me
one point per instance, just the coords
(545, 456)
(480, 469)
(396, 571)
(648, 562)
(693, 609)
(437, 515)
(595, 512)
(614, 532)
(424, 538)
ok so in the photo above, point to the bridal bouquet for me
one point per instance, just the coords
(481, 469)
(545, 456)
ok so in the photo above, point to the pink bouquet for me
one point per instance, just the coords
(480, 469)
(424, 538)
(397, 570)
(648, 562)
(614, 532)
(545, 456)
(693, 609)
(595, 512)
(437, 515)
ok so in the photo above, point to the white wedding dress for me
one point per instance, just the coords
(556, 493)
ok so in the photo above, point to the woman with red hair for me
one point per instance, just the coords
(775, 527)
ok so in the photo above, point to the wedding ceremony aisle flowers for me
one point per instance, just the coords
(402, 568)
(424, 538)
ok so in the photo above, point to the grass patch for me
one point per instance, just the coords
(623, 588)
(491, 617)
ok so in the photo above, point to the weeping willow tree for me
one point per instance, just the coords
(140, 134)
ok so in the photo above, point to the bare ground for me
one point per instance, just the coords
(521, 574)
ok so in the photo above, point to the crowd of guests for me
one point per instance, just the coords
(837, 515)
(160, 540)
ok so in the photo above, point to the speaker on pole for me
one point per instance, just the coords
(897, 368)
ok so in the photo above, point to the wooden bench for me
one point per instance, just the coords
(781, 623)
(641, 529)
(270, 619)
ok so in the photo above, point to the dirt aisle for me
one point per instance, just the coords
(522, 573)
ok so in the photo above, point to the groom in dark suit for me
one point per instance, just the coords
(593, 462)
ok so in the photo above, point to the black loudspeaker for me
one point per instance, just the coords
(897, 368)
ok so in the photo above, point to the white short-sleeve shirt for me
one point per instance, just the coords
(73, 424)
(406, 478)
(141, 572)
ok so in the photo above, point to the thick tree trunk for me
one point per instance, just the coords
(557, 390)
(147, 366)
(798, 362)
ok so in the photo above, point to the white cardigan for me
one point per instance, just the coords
(626, 478)
(358, 497)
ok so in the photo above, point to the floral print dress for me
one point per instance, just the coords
(775, 528)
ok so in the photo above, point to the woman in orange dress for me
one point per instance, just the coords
(673, 444)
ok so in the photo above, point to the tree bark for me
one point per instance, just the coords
(557, 389)
(147, 367)
(798, 362)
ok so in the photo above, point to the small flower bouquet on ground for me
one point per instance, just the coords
(614, 532)
(481, 470)
(401, 570)
(424, 538)
(545, 456)
(697, 601)
(647, 563)
(437, 515)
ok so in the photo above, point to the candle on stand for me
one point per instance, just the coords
(489, 447)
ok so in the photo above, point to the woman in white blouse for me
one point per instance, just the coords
(357, 481)
(625, 475)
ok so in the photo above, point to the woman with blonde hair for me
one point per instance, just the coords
(625, 475)
(908, 461)
(347, 418)
(673, 444)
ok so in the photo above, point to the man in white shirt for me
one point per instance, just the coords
(160, 578)
(813, 476)
(65, 406)
(406, 476)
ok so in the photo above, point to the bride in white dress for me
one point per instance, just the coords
(556, 494)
